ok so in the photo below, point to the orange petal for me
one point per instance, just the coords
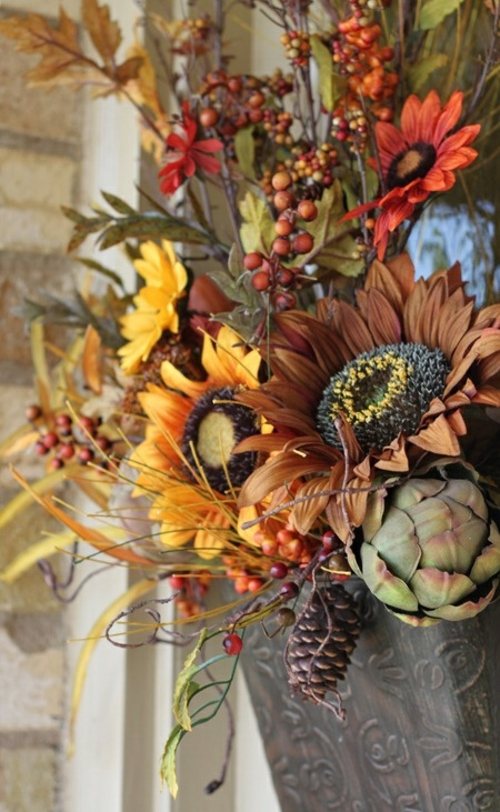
(438, 438)
(448, 118)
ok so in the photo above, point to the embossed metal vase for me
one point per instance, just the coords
(422, 727)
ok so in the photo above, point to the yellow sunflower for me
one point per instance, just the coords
(186, 461)
(361, 390)
(155, 303)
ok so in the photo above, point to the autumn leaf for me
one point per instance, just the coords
(103, 31)
(334, 248)
(62, 61)
(257, 232)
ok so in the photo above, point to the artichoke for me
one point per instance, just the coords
(428, 548)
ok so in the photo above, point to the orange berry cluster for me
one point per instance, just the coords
(297, 47)
(269, 274)
(363, 60)
(63, 440)
(189, 592)
(244, 581)
(192, 36)
(287, 545)
(234, 102)
(311, 170)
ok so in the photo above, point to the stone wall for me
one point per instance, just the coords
(40, 147)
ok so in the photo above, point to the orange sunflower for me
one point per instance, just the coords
(186, 461)
(366, 390)
(418, 159)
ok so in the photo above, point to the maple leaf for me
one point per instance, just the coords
(103, 31)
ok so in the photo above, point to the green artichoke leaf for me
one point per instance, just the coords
(431, 517)
(375, 507)
(465, 610)
(397, 544)
(379, 580)
(413, 491)
(434, 588)
(455, 550)
(487, 564)
(466, 493)
(415, 620)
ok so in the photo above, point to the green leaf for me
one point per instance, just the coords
(244, 145)
(433, 12)
(150, 226)
(96, 266)
(118, 204)
(333, 245)
(423, 68)
(257, 232)
(168, 760)
(184, 685)
(330, 85)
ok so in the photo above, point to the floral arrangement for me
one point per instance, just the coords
(285, 402)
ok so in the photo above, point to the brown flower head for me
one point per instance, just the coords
(367, 389)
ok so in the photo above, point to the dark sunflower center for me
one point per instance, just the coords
(411, 164)
(215, 425)
(382, 393)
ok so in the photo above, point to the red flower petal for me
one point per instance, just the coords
(429, 114)
(410, 117)
(390, 143)
(208, 163)
(208, 145)
(449, 117)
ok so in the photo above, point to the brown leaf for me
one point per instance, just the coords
(103, 31)
(128, 70)
(62, 61)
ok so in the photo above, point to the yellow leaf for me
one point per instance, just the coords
(92, 360)
(39, 359)
(103, 31)
(23, 500)
(98, 540)
(257, 232)
(98, 629)
(41, 549)
(18, 441)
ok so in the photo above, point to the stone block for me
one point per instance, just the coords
(31, 687)
(29, 593)
(32, 189)
(26, 275)
(33, 111)
(50, 7)
(28, 779)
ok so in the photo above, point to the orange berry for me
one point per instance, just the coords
(281, 181)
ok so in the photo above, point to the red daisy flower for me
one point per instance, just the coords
(185, 155)
(418, 159)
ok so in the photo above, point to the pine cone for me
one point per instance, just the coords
(321, 643)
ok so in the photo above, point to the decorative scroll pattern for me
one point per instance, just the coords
(422, 732)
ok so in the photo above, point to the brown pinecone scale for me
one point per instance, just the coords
(321, 642)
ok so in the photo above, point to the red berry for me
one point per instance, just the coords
(66, 451)
(289, 590)
(56, 463)
(85, 455)
(50, 440)
(253, 260)
(303, 243)
(260, 280)
(256, 116)
(278, 570)
(285, 301)
(40, 448)
(63, 420)
(87, 423)
(33, 412)
(208, 117)
(307, 210)
(285, 277)
(284, 536)
(281, 246)
(103, 443)
(257, 100)
(177, 582)
(330, 541)
(235, 84)
(232, 644)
